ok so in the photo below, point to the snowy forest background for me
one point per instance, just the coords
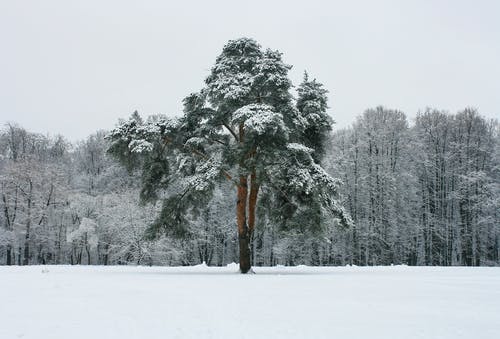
(420, 193)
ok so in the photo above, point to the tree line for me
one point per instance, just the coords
(425, 194)
(421, 195)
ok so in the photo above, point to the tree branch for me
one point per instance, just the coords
(230, 130)
(202, 155)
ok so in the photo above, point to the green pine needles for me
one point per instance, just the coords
(246, 128)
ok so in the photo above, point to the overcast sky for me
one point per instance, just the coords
(72, 67)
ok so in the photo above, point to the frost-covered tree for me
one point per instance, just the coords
(84, 237)
(372, 159)
(312, 104)
(243, 127)
(458, 178)
(32, 191)
(425, 195)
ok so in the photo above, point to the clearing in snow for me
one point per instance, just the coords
(60, 302)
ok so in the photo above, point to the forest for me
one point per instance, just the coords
(253, 150)
(421, 191)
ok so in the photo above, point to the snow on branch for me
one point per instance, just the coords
(260, 119)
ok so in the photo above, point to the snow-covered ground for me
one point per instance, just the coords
(61, 302)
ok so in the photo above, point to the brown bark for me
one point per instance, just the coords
(252, 201)
(243, 231)
(241, 214)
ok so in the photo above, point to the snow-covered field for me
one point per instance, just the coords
(61, 302)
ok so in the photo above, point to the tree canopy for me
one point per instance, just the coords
(245, 127)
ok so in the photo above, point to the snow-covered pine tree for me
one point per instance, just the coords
(245, 127)
(312, 104)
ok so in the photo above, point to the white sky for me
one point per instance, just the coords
(72, 67)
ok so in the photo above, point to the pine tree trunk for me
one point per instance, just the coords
(244, 234)
(243, 231)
